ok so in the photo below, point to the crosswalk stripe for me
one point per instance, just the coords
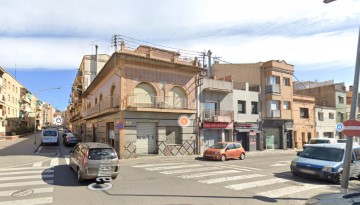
(37, 164)
(172, 167)
(27, 172)
(208, 174)
(14, 184)
(23, 168)
(241, 169)
(182, 171)
(288, 190)
(27, 177)
(54, 162)
(153, 165)
(67, 160)
(44, 200)
(34, 191)
(224, 179)
(255, 184)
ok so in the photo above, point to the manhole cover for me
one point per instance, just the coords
(22, 193)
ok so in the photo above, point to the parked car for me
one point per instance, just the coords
(91, 160)
(50, 136)
(225, 150)
(344, 141)
(322, 140)
(71, 139)
(325, 161)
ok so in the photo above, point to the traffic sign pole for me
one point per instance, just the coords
(349, 141)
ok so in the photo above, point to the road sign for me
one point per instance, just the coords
(120, 125)
(183, 121)
(339, 127)
(351, 128)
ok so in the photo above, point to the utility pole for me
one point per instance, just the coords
(115, 42)
(209, 73)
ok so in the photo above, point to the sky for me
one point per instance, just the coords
(43, 42)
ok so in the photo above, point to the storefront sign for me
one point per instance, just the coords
(217, 125)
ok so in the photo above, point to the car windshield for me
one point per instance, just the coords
(49, 133)
(218, 146)
(323, 153)
(101, 153)
(341, 141)
(318, 141)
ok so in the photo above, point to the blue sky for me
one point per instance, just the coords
(46, 39)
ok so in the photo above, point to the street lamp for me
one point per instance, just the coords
(37, 93)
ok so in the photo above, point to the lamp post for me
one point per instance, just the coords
(37, 93)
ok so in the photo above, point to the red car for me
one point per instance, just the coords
(225, 150)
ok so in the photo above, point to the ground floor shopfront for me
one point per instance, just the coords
(277, 134)
(213, 132)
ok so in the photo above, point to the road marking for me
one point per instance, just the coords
(153, 165)
(24, 168)
(44, 200)
(208, 174)
(37, 164)
(172, 167)
(34, 191)
(289, 190)
(27, 177)
(27, 172)
(67, 159)
(232, 167)
(14, 184)
(225, 179)
(256, 184)
(54, 162)
(182, 171)
(279, 165)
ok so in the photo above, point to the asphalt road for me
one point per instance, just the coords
(262, 178)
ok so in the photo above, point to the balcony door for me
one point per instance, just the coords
(177, 98)
(144, 95)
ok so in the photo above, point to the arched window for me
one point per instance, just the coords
(144, 95)
(112, 97)
(101, 98)
(177, 98)
(96, 101)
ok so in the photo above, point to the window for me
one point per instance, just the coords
(286, 105)
(272, 80)
(286, 81)
(331, 115)
(13, 87)
(341, 116)
(230, 146)
(304, 113)
(341, 99)
(254, 108)
(16, 89)
(241, 106)
(320, 116)
(9, 85)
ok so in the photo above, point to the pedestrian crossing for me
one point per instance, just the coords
(29, 184)
(236, 178)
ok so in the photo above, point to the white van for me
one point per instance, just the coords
(322, 141)
(50, 136)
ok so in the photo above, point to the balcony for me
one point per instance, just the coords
(39, 107)
(218, 115)
(25, 98)
(274, 114)
(107, 105)
(158, 104)
(274, 88)
(217, 85)
(2, 98)
(25, 108)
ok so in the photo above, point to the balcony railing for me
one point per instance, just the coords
(25, 108)
(25, 98)
(218, 115)
(274, 114)
(274, 88)
(103, 105)
(39, 107)
(148, 101)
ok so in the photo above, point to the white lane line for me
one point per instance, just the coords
(24, 168)
(289, 190)
(153, 165)
(249, 185)
(44, 200)
(67, 159)
(279, 165)
(225, 179)
(54, 162)
(208, 174)
(182, 171)
(237, 168)
(34, 191)
(37, 164)
(27, 177)
(27, 172)
(172, 167)
(14, 184)
(242, 167)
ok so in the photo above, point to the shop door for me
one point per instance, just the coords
(146, 138)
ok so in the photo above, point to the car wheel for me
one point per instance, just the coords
(338, 178)
(223, 158)
(242, 156)
(79, 178)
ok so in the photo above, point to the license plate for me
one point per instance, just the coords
(306, 171)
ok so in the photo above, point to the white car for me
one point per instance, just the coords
(50, 136)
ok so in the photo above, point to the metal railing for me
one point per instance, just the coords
(148, 101)
(218, 115)
(106, 103)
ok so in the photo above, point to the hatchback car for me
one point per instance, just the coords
(225, 150)
(91, 160)
(71, 139)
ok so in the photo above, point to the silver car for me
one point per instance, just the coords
(92, 160)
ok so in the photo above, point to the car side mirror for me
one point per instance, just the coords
(298, 154)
